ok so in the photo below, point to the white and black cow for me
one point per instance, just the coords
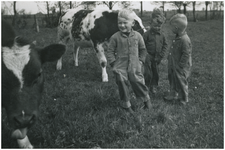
(22, 80)
(97, 26)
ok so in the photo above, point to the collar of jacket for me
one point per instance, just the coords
(153, 30)
(131, 33)
(179, 36)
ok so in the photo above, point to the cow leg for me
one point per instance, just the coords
(59, 64)
(24, 143)
(63, 37)
(102, 60)
(75, 53)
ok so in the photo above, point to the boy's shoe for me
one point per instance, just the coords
(129, 110)
(183, 102)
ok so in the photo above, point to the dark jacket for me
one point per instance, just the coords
(156, 44)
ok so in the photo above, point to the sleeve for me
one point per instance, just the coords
(186, 52)
(111, 50)
(164, 47)
(142, 49)
(145, 37)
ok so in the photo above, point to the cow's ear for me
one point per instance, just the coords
(52, 52)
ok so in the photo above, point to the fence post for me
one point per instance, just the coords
(36, 23)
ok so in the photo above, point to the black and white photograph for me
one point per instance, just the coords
(112, 74)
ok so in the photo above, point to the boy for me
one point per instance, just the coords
(126, 55)
(179, 60)
(156, 46)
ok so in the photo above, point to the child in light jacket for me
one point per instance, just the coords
(126, 55)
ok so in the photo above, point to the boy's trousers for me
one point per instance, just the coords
(151, 71)
(178, 81)
(130, 70)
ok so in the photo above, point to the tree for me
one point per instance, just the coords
(161, 3)
(70, 5)
(60, 8)
(221, 5)
(125, 4)
(185, 4)
(178, 4)
(206, 9)
(110, 4)
(88, 4)
(15, 14)
(141, 8)
(194, 17)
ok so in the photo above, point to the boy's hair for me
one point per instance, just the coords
(157, 13)
(180, 20)
(126, 13)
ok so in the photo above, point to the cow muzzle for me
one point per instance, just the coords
(25, 120)
(19, 133)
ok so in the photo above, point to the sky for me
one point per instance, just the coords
(34, 7)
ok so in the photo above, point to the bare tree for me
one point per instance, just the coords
(60, 8)
(185, 4)
(206, 9)
(125, 4)
(109, 4)
(161, 3)
(178, 4)
(70, 5)
(15, 14)
(141, 9)
(88, 4)
(193, 4)
(221, 5)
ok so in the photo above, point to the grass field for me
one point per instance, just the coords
(79, 111)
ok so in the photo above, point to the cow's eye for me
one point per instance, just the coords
(37, 78)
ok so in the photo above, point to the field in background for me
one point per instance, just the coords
(79, 111)
(28, 21)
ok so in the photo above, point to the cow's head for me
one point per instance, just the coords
(22, 78)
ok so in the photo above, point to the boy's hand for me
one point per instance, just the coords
(158, 60)
(112, 64)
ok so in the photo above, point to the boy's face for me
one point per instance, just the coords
(125, 25)
(173, 28)
(157, 22)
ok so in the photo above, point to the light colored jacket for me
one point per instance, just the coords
(180, 54)
(122, 47)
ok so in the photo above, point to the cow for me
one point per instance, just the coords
(23, 80)
(96, 26)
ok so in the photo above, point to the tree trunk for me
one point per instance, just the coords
(60, 8)
(36, 23)
(15, 14)
(141, 9)
(206, 10)
(194, 17)
(110, 5)
(70, 5)
(48, 17)
(184, 8)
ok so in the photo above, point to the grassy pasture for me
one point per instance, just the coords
(79, 111)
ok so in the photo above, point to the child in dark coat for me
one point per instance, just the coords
(179, 60)
(156, 46)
